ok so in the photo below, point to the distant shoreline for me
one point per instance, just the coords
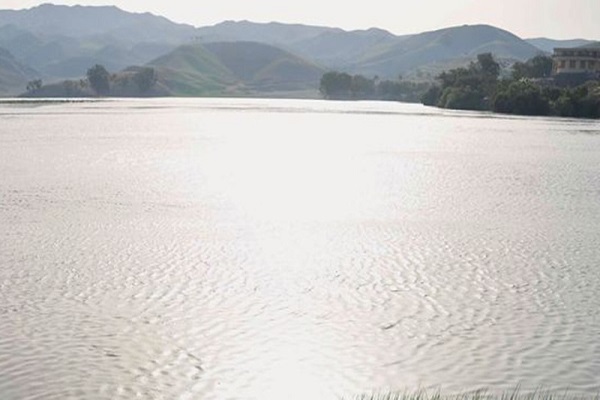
(57, 100)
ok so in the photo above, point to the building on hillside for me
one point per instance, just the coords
(578, 60)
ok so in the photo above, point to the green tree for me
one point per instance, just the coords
(488, 65)
(580, 102)
(362, 88)
(99, 79)
(336, 85)
(432, 96)
(541, 66)
(34, 86)
(71, 88)
(537, 67)
(389, 90)
(469, 88)
(463, 98)
(145, 79)
(565, 105)
(521, 97)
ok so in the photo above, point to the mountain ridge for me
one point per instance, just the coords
(78, 20)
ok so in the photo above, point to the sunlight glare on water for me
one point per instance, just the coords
(300, 175)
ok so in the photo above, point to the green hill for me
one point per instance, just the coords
(235, 68)
(262, 67)
(191, 70)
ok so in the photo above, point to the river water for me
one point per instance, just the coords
(275, 249)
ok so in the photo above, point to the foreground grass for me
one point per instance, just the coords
(516, 394)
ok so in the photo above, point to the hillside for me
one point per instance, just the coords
(191, 70)
(463, 42)
(263, 67)
(13, 75)
(235, 68)
(113, 57)
(66, 57)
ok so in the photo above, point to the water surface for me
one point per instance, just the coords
(274, 249)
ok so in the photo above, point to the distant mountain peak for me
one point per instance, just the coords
(52, 6)
(84, 21)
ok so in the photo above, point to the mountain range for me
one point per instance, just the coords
(54, 43)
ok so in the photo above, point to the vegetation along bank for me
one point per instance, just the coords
(527, 89)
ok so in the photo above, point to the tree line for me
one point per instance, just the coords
(144, 78)
(336, 85)
(99, 82)
(527, 89)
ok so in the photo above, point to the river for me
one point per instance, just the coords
(281, 249)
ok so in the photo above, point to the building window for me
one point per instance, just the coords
(563, 63)
(591, 64)
(582, 64)
(572, 64)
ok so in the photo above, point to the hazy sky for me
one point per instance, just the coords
(560, 19)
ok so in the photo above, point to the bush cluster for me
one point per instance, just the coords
(527, 91)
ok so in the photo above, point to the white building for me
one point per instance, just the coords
(576, 60)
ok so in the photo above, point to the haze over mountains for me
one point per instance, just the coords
(231, 58)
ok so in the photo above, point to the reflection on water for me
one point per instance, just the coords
(294, 249)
